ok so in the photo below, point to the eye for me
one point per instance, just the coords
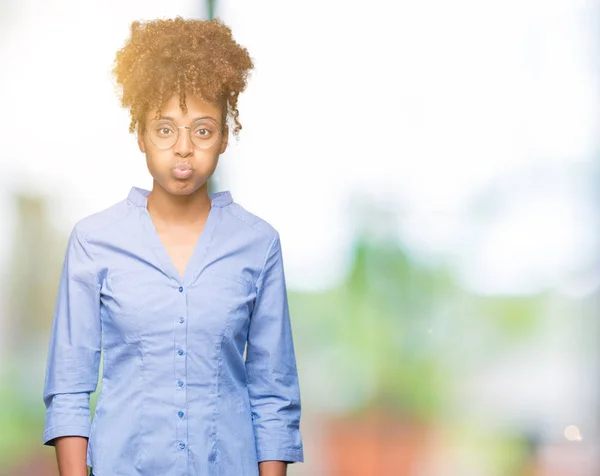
(204, 129)
(203, 133)
(164, 129)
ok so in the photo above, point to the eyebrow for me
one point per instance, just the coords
(193, 120)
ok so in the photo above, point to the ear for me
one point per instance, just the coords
(225, 139)
(140, 139)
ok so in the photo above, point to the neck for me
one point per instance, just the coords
(169, 208)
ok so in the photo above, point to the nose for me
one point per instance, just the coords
(184, 146)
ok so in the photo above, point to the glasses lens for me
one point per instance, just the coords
(163, 134)
(204, 133)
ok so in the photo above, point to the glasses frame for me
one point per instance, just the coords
(189, 128)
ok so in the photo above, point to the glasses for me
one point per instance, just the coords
(164, 134)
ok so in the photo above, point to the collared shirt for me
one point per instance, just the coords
(199, 373)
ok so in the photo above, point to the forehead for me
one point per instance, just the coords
(196, 107)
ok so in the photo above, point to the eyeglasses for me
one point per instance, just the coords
(164, 134)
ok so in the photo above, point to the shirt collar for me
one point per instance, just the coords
(139, 197)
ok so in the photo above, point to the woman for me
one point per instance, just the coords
(182, 289)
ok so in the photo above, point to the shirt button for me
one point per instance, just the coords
(180, 414)
(181, 319)
(182, 445)
(180, 352)
(180, 289)
(180, 383)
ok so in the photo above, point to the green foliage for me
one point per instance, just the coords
(388, 330)
(20, 425)
(517, 317)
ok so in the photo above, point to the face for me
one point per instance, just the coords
(189, 163)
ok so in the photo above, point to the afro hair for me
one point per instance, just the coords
(180, 56)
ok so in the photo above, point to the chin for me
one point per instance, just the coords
(182, 187)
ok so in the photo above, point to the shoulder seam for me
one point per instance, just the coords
(85, 236)
(247, 223)
(88, 250)
(262, 270)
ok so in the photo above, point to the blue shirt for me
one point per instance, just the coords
(199, 373)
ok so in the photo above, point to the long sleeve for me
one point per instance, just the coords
(271, 367)
(75, 345)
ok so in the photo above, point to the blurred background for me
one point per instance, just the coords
(432, 168)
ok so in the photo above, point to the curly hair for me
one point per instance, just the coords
(179, 56)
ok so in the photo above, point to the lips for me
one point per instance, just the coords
(182, 170)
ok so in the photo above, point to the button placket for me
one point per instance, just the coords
(180, 373)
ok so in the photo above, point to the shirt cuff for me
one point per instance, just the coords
(291, 456)
(66, 430)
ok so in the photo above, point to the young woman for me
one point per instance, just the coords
(183, 290)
